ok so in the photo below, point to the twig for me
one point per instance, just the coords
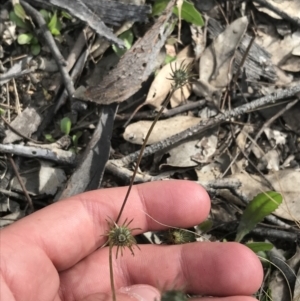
(275, 233)
(274, 117)
(12, 194)
(60, 61)
(75, 72)
(57, 155)
(17, 100)
(210, 123)
(169, 113)
(184, 108)
(8, 101)
(269, 122)
(11, 75)
(29, 200)
(81, 11)
(279, 12)
(125, 174)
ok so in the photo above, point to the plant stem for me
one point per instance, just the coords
(112, 283)
(142, 151)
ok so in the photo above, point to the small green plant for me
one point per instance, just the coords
(261, 206)
(127, 38)
(75, 139)
(65, 128)
(173, 295)
(26, 26)
(65, 125)
(188, 11)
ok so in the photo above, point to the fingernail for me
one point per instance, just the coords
(141, 292)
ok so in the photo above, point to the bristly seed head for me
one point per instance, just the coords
(121, 236)
(173, 295)
(182, 75)
(177, 236)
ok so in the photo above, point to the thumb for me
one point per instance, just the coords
(140, 292)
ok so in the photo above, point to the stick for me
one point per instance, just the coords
(210, 123)
(60, 61)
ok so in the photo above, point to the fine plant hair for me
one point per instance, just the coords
(121, 235)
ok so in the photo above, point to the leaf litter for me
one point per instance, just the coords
(242, 53)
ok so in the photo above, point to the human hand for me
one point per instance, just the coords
(54, 253)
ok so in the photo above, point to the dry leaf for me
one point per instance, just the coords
(180, 156)
(278, 136)
(136, 132)
(26, 123)
(199, 40)
(215, 63)
(291, 8)
(207, 147)
(133, 68)
(285, 52)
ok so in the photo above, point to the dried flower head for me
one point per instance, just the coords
(121, 236)
(182, 75)
(173, 295)
(177, 236)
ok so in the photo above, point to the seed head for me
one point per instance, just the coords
(173, 295)
(121, 236)
(178, 236)
(182, 75)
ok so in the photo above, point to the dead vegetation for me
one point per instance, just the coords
(233, 127)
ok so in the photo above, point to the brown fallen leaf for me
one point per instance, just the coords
(136, 132)
(215, 65)
(133, 68)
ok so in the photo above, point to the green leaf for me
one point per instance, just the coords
(53, 22)
(46, 15)
(19, 22)
(55, 32)
(169, 59)
(127, 38)
(19, 11)
(24, 38)
(205, 226)
(34, 40)
(260, 246)
(159, 6)
(2, 112)
(49, 138)
(35, 49)
(261, 206)
(65, 125)
(264, 259)
(66, 15)
(76, 137)
(188, 11)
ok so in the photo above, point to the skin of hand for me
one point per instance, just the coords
(53, 254)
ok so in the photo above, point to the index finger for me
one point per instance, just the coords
(70, 230)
